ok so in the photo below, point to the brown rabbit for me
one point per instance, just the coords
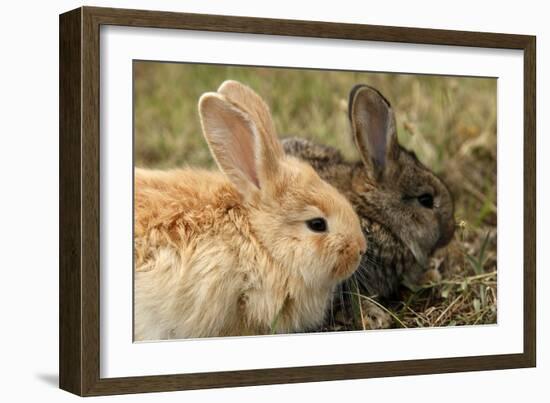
(256, 248)
(406, 211)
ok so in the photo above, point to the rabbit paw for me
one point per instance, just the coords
(375, 317)
(431, 276)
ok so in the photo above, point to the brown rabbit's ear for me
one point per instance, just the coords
(236, 143)
(249, 101)
(373, 126)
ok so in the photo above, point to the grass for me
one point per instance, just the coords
(450, 122)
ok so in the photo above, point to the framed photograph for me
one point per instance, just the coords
(249, 201)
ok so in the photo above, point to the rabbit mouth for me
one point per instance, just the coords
(348, 265)
(420, 256)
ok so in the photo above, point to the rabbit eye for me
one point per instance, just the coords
(318, 224)
(426, 200)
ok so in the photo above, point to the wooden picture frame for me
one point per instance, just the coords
(80, 199)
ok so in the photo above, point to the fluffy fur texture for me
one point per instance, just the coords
(385, 187)
(230, 253)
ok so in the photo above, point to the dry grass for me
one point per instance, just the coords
(450, 122)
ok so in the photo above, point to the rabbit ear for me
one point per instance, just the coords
(236, 143)
(249, 101)
(373, 125)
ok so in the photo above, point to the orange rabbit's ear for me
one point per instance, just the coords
(237, 144)
(250, 102)
(373, 125)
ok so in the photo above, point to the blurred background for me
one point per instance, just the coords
(449, 122)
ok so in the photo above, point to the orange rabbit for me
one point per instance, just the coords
(256, 248)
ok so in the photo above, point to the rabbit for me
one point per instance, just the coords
(254, 249)
(406, 211)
